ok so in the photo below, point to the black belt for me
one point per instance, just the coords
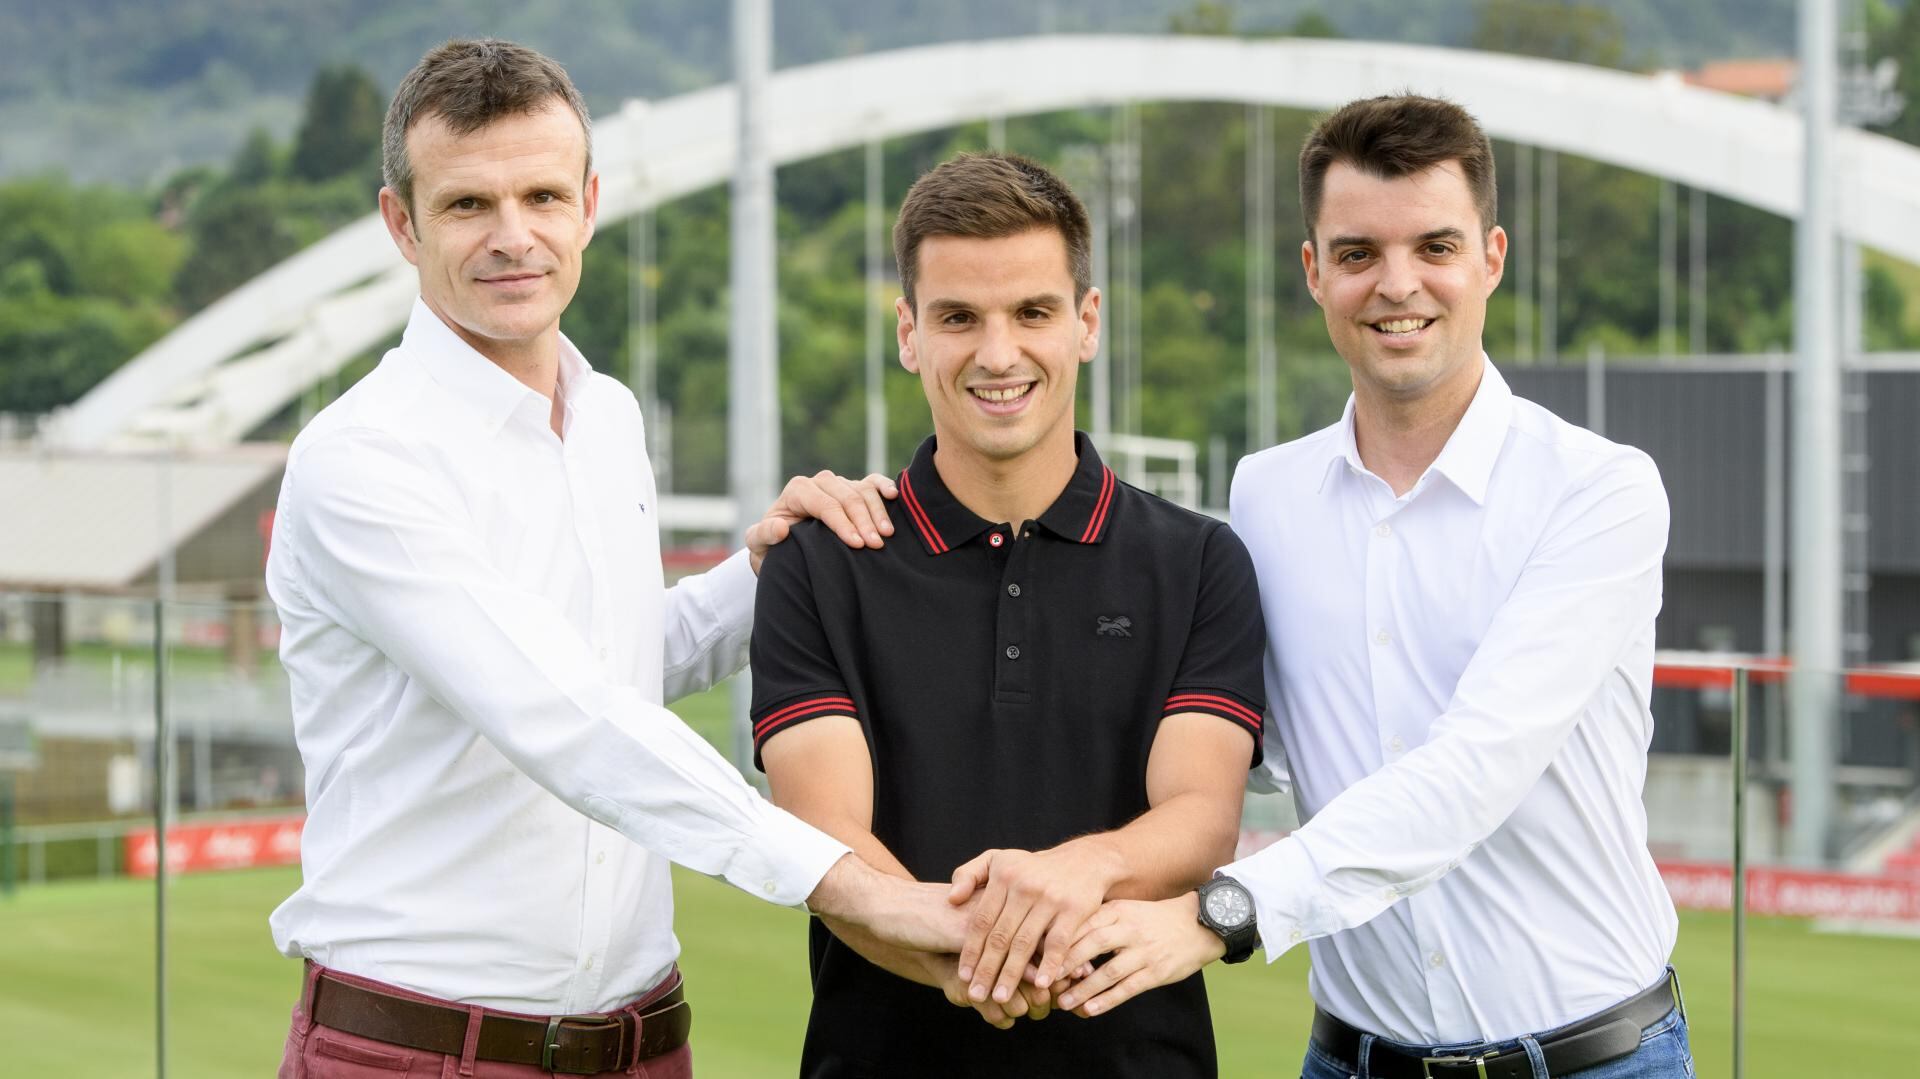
(1580, 1044)
(563, 1044)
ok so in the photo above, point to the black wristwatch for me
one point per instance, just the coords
(1226, 907)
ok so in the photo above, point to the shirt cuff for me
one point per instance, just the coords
(785, 860)
(731, 586)
(1282, 879)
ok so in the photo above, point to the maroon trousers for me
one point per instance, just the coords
(318, 1052)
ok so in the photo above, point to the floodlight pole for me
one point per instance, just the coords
(753, 364)
(1816, 578)
(876, 324)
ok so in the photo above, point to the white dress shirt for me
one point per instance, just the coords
(478, 639)
(1459, 678)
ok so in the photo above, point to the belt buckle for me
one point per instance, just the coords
(551, 1043)
(1479, 1064)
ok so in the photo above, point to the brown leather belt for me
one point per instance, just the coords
(1579, 1045)
(564, 1044)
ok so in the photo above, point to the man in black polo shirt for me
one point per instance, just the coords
(1049, 694)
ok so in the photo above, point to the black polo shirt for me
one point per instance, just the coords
(1010, 689)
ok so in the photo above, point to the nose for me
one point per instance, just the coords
(511, 237)
(999, 351)
(1399, 277)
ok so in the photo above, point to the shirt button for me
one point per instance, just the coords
(1383, 637)
(1013, 651)
(1397, 744)
(1296, 937)
(1436, 960)
(588, 965)
(600, 858)
(996, 539)
(1383, 531)
(603, 654)
(767, 888)
(1013, 590)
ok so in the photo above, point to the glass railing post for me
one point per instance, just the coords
(1741, 684)
(163, 817)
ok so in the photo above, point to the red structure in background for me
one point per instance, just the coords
(240, 844)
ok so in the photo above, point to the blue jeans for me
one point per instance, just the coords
(1663, 1054)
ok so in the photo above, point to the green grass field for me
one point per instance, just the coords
(76, 969)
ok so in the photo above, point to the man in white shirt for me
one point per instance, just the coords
(1460, 592)
(479, 640)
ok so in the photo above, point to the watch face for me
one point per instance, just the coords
(1228, 907)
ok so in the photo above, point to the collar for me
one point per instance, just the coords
(1081, 513)
(479, 382)
(1467, 458)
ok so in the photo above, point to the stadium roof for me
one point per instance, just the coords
(94, 522)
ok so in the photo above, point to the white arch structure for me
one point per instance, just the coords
(232, 366)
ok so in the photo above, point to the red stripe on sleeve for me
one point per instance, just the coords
(812, 706)
(1232, 708)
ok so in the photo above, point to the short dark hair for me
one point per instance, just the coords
(1398, 135)
(988, 196)
(470, 84)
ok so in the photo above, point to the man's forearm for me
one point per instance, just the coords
(1172, 848)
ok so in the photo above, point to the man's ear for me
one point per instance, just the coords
(399, 221)
(1496, 257)
(903, 332)
(590, 204)
(1090, 325)
(1310, 262)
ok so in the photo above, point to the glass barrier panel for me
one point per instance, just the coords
(78, 943)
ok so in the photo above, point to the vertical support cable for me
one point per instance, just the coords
(876, 328)
(643, 353)
(1696, 271)
(1262, 373)
(1549, 257)
(1527, 255)
(1669, 269)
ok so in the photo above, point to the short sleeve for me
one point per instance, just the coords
(1219, 672)
(795, 675)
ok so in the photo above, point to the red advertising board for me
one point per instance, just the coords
(1794, 892)
(240, 844)
(1771, 890)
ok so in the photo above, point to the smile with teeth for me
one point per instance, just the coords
(1002, 395)
(1402, 326)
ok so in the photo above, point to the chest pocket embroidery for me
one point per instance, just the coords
(1117, 626)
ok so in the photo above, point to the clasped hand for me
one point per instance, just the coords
(1028, 908)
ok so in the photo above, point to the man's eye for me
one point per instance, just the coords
(1034, 314)
(1352, 256)
(1439, 249)
(468, 203)
(541, 198)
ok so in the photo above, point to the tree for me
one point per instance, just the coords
(256, 162)
(340, 133)
(1552, 30)
(1898, 39)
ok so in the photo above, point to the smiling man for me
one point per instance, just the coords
(1049, 695)
(479, 642)
(1460, 591)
